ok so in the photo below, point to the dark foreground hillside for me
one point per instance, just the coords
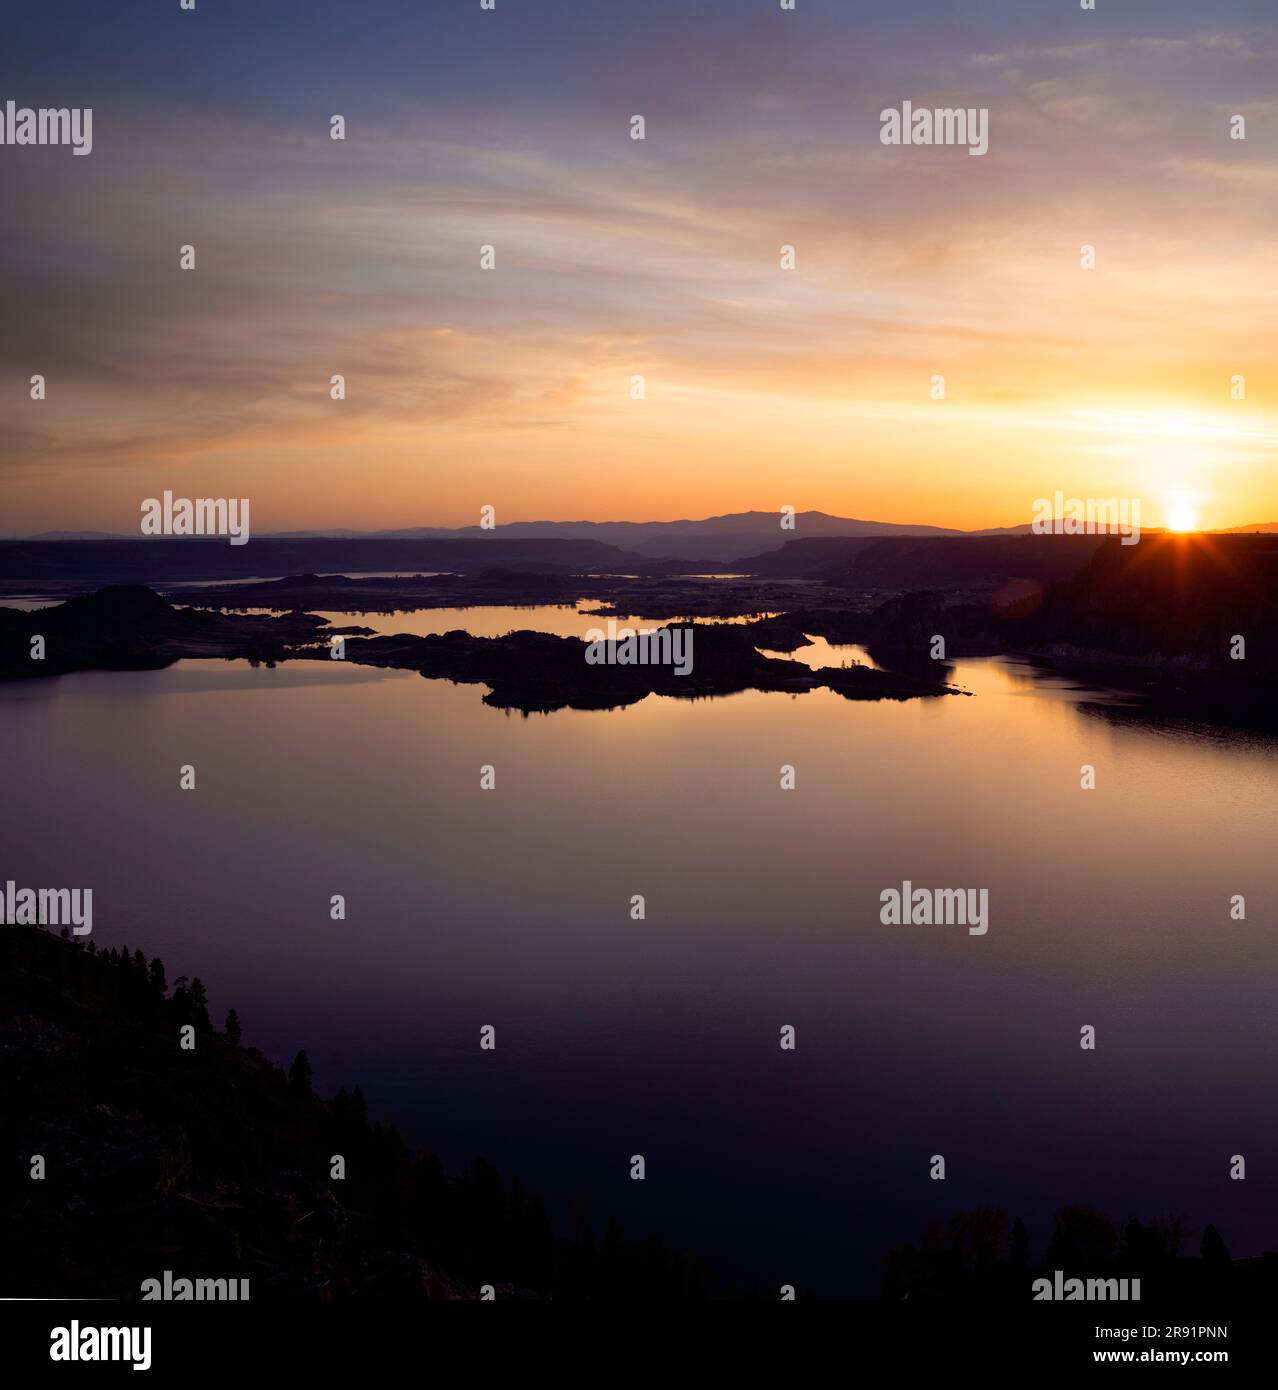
(215, 1164)
(975, 1256)
(1172, 598)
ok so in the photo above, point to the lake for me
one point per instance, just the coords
(660, 1037)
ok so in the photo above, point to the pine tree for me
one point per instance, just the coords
(198, 1002)
(1213, 1248)
(299, 1074)
(233, 1033)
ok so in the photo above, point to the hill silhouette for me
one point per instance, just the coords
(215, 1163)
(976, 1255)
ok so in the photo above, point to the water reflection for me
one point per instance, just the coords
(660, 1037)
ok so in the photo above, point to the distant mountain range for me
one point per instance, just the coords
(72, 536)
(718, 538)
(712, 540)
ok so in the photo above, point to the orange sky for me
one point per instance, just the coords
(764, 387)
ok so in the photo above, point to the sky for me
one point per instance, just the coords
(616, 258)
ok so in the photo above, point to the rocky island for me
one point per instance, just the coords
(130, 628)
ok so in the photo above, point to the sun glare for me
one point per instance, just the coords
(1181, 516)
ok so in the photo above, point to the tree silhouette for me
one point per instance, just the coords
(1213, 1248)
(1020, 1246)
(398, 1226)
(198, 1001)
(976, 1238)
(1083, 1240)
(233, 1033)
(299, 1074)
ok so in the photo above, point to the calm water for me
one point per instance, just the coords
(511, 907)
(563, 620)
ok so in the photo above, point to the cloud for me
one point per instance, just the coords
(316, 257)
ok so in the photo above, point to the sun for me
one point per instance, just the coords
(1182, 516)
